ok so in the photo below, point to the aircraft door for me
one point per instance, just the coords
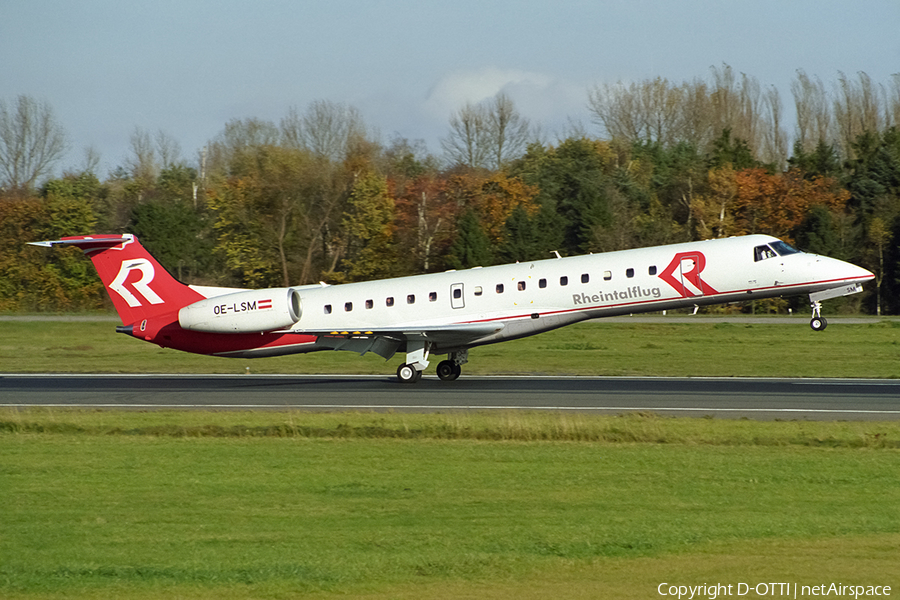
(688, 270)
(457, 300)
(683, 274)
(691, 265)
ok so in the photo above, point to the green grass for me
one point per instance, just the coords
(114, 505)
(508, 426)
(696, 349)
(167, 504)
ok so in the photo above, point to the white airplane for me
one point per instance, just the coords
(450, 312)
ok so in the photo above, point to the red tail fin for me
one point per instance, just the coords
(137, 285)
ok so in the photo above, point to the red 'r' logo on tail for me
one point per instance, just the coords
(685, 269)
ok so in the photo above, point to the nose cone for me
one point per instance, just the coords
(832, 270)
(854, 273)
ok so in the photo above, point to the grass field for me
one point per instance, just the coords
(285, 505)
(166, 504)
(869, 350)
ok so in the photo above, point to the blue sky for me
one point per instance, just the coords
(187, 67)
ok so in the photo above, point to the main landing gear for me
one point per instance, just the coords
(417, 362)
(447, 370)
(407, 373)
(818, 322)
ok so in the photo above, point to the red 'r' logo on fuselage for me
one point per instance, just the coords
(685, 269)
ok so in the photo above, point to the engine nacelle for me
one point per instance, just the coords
(254, 311)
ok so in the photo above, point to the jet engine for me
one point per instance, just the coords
(254, 311)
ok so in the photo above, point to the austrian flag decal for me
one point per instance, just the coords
(264, 304)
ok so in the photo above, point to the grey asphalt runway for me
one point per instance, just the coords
(762, 399)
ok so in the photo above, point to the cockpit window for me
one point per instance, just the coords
(783, 249)
(762, 253)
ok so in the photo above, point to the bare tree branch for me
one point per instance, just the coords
(467, 143)
(509, 131)
(326, 129)
(31, 141)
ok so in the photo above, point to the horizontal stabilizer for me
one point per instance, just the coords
(88, 243)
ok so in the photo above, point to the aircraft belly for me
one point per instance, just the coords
(270, 351)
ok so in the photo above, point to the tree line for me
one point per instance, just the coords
(318, 197)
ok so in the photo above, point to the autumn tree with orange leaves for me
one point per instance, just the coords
(425, 218)
(712, 211)
(777, 204)
(493, 198)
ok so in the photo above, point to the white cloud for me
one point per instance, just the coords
(550, 103)
(455, 89)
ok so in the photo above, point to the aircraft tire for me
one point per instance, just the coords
(818, 323)
(408, 374)
(447, 371)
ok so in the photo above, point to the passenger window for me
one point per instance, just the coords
(607, 275)
(457, 293)
(521, 286)
(327, 309)
(499, 288)
(652, 270)
(348, 306)
(370, 304)
(585, 278)
(563, 280)
(629, 272)
(478, 290)
(432, 296)
(411, 299)
(389, 302)
(542, 283)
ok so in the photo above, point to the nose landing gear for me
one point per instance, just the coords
(818, 322)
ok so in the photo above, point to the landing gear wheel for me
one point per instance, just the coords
(447, 370)
(818, 323)
(408, 374)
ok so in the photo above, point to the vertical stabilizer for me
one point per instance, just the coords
(139, 287)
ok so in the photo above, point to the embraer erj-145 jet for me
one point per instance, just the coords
(448, 313)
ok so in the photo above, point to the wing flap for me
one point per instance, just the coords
(385, 341)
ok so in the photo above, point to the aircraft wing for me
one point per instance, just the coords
(386, 341)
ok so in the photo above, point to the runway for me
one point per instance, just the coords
(761, 399)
